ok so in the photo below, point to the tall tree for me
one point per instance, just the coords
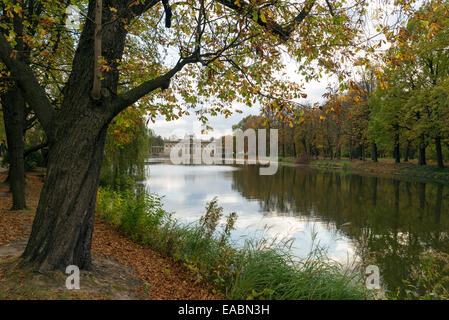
(13, 105)
(215, 40)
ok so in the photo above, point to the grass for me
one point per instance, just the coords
(429, 173)
(286, 159)
(109, 280)
(331, 164)
(33, 285)
(256, 271)
(274, 274)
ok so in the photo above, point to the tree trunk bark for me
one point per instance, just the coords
(397, 147)
(62, 230)
(350, 150)
(374, 152)
(407, 152)
(439, 153)
(422, 153)
(304, 144)
(14, 116)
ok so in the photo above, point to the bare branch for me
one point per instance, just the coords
(284, 32)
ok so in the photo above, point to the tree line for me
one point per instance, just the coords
(397, 107)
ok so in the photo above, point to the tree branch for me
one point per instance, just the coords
(168, 13)
(30, 123)
(25, 79)
(96, 90)
(285, 32)
(34, 149)
(163, 82)
(331, 10)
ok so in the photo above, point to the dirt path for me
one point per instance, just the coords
(13, 249)
(122, 268)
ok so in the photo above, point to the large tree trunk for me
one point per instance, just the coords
(62, 230)
(14, 116)
(374, 152)
(439, 153)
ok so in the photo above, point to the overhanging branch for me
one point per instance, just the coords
(162, 82)
(25, 79)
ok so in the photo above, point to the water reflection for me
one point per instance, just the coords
(376, 220)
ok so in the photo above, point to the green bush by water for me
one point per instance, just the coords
(256, 271)
(33, 160)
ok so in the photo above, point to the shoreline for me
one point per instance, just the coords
(384, 169)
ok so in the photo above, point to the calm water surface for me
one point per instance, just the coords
(368, 219)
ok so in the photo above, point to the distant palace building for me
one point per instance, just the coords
(189, 143)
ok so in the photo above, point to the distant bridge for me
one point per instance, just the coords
(156, 150)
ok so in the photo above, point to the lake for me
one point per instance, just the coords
(371, 220)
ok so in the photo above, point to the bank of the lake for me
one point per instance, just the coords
(391, 223)
(386, 168)
(259, 270)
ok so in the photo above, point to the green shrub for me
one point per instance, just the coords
(32, 161)
(257, 271)
(430, 278)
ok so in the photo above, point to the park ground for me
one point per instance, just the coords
(122, 269)
(386, 168)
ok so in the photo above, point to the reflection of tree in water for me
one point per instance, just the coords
(392, 222)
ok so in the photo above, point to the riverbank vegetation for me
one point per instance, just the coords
(259, 270)
(388, 168)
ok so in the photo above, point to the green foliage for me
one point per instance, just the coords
(141, 216)
(256, 271)
(33, 160)
(273, 273)
(430, 277)
(411, 98)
